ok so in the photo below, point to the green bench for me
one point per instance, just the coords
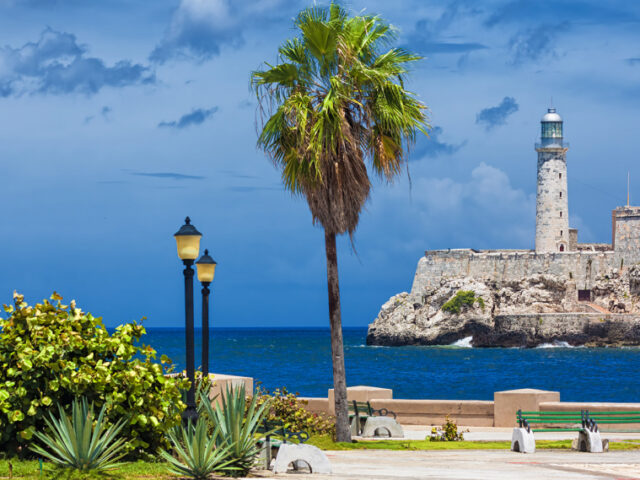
(281, 433)
(359, 412)
(595, 419)
(543, 419)
(586, 423)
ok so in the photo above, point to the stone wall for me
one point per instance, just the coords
(512, 265)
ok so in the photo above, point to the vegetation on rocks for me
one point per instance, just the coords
(461, 299)
(52, 353)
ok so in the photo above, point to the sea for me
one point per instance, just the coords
(300, 360)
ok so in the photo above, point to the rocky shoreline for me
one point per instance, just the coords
(536, 310)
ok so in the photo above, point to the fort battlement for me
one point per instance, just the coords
(581, 267)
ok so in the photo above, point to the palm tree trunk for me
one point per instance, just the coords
(343, 433)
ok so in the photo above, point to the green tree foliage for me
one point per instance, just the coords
(461, 299)
(287, 408)
(335, 109)
(52, 353)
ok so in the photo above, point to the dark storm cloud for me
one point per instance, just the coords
(633, 61)
(550, 11)
(429, 35)
(535, 44)
(432, 146)
(493, 116)
(170, 175)
(196, 117)
(56, 63)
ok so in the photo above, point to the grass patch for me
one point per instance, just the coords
(30, 469)
(326, 443)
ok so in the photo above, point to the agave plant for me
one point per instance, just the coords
(237, 422)
(197, 455)
(77, 443)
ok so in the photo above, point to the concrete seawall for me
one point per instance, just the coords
(501, 412)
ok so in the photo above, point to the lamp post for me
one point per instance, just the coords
(206, 267)
(188, 242)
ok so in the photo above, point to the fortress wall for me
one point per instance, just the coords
(510, 265)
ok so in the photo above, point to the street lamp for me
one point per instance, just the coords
(206, 270)
(188, 242)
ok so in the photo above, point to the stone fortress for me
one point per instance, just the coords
(563, 291)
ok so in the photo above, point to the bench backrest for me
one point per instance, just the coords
(278, 429)
(360, 408)
(614, 417)
(527, 419)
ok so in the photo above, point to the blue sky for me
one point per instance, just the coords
(120, 118)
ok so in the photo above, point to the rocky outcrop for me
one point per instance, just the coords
(534, 310)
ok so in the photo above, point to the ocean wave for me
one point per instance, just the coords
(555, 344)
(463, 342)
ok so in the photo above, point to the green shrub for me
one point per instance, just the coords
(447, 432)
(462, 298)
(52, 353)
(237, 421)
(287, 408)
(77, 443)
(196, 453)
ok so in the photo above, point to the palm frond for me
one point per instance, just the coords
(336, 100)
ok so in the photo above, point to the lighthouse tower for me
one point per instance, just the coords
(552, 206)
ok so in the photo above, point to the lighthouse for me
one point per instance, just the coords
(552, 206)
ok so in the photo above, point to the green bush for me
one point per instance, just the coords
(77, 443)
(236, 420)
(462, 298)
(287, 408)
(52, 353)
(196, 454)
(447, 432)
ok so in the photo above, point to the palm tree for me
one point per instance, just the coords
(335, 102)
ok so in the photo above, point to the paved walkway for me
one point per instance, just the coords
(416, 432)
(477, 465)
(480, 464)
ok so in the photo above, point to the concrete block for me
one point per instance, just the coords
(508, 402)
(522, 441)
(589, 441)
(360, 393)
(290, 453)
(221, 382)
(374, 426)
(355, 426)
(315, 405)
